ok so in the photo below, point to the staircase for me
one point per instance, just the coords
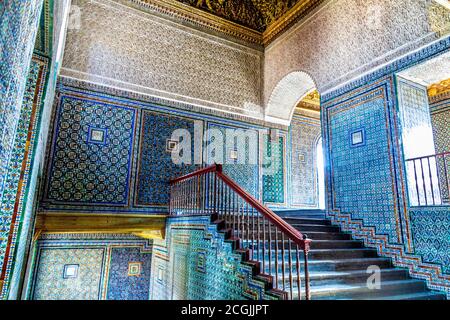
(298, 254)
(338, 264)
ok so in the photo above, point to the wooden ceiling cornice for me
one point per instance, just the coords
(199, 17)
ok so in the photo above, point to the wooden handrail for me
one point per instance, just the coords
(286, 228)
(212, 168)
(291, 232)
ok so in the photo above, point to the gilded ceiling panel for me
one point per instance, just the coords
(254, 14)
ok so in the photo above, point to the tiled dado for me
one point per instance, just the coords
(91, 267)
(204, 264)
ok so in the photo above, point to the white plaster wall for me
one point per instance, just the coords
(126, 48)
(346, 38)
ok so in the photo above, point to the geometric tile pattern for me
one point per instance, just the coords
(245, 171)
(199, 264)
(305, 132)
(86, 172)
(273, 163)
(361, 175)
(51, 283)
(17, 179)
(403, 255)
(431, 234)
(440, 117)
(156, 167)
(126, 285)
(19, 26)
(100, 265)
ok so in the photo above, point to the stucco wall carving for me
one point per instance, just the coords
(126, 48)
(346, 38)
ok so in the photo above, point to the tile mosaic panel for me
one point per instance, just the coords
(99, 265)
(129, 274)
(305, 133)
(274, 170)
(17, 182)
(85, 172)
(362, 177)
(19, 26)
(156, 166)
(440, 118)
(51, 283)
(243, 171)
(431, 235)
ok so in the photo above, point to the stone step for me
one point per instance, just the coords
(342, 277)
(362, 292)
(313, 235)
(336, 244)
(303, 228)
(316, 244)
(301, 213)
(356, 264)
(425, 295)
(321, 254)
(302, 221)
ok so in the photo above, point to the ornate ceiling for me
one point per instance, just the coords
(439, 88)
(257, 21)
(310, 102)
(254, 14)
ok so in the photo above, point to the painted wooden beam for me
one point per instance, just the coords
(145, 226)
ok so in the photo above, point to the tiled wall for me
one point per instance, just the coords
(108, 267)
(196, 263)
(18, 191)
(109, 152)
(305, 133)
(366, 180)
(440, 117)
(431, 235)
(20, 20)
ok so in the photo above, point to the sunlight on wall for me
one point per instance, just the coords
(321, 174)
